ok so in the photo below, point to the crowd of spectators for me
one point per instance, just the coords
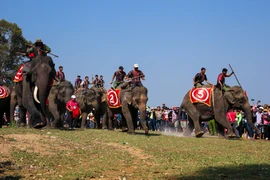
(176, 120)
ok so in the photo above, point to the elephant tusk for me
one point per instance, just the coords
(35, 94)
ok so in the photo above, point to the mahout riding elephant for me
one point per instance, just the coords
(59, 95)
(92, 100)
(220, 104)
(132, 101)
(4, 103)
(34, 89)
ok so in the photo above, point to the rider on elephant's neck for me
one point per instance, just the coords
(221, 80)
(44, 49)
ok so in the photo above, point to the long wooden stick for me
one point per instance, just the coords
(235, 76)
(44, 51)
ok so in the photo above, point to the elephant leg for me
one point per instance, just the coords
(195, 116)
(134, 118)
(189, 128)
(110, 119)
(48, 125)
(110, 122)
(13, 103)
(84, 116)
(22, 112)
(105, 121)
(129, 121)
(97, 119)
(1, 119)
(56, 117)
(221, 118)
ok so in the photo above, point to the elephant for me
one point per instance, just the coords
(59, 95)
(92, 100)
(4, 103)
(234, 97)
(34, 89)
(132, 101)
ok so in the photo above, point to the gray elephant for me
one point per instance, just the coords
(220, 104)
(92, 100)
(4, 103)
(132, 101)
(34, 89)
(59, 95)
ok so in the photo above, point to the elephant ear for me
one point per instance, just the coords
(33, 76)
(81, 99)
(128, 97)
(61, 92)
(229, 96)
(100, 93)
(104, 97)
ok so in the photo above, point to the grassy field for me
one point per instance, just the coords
(99, 154)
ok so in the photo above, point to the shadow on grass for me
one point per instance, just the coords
(247, 172)
(149, 134)
(5, 166)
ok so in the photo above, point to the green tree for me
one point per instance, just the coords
(11, 41)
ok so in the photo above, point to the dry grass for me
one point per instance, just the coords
(99, 154)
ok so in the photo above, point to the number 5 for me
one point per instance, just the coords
(200, 94)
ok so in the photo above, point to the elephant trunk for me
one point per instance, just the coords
(143, 118)
(41, 97)
(248, 113)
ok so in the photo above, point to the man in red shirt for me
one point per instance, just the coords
(221, 80)
(231, 116)
(74, 110)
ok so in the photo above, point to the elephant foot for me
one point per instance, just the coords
(232, 135)
(22, 125)
(39, 125)
(146, 131)
(199, 134)
(124, 129)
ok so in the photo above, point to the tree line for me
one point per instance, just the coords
(11, 42)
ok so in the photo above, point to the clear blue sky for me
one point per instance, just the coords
(170, 40)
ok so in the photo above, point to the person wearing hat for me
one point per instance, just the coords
(78, 82)
(43, 47)
(119, 77)
(135, 76)
(60, 75)
(199, 78)
(73, 109)
(221, 80)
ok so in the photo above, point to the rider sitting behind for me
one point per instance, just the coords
(119, 75)
(199, 78)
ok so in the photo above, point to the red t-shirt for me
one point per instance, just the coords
(74, 107)
(231, 116)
